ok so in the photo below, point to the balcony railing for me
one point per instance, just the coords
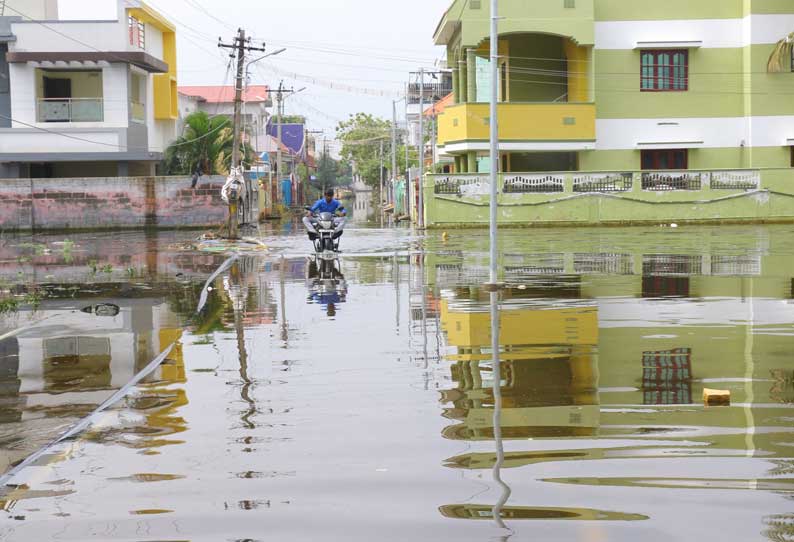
(70, 110)
(138, 111)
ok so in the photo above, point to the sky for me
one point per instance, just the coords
(367, 46)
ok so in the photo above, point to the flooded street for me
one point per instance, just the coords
(356, 402)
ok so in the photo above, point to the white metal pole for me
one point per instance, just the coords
(495, 326)
(408, 192)
(421, 210)
(494, 135)
(393, 152)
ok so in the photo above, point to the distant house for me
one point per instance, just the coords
(85, 98)
(219, 100)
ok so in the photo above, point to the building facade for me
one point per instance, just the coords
(598, 85)
(219, 100)
(85, 98)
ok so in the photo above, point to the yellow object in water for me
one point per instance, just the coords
(716, 397)
(444, 236)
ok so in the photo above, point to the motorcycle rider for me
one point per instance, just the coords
(326, 205)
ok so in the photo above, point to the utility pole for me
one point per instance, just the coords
(279, 106)
(380, 196)
(421, 218)
(408, 191)
(394, 152)
(240, 46)
(280, 92)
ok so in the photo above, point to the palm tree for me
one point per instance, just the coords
(781, 58)
(205, 145)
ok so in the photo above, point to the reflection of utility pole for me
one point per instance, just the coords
(284, 334)
(424, 314)
(238, 305)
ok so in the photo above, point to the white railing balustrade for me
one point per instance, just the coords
(602, 182)
(70, 110)
(736, 180)
(463, 185)
(534, 184)
(666, 180)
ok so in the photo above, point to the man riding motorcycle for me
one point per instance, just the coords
(326, 205)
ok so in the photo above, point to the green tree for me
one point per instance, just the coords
(361, 136)
(327, 172)
(206, 144)
(781, 58)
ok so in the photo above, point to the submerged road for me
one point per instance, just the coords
(356, 403)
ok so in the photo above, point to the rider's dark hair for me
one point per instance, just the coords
(329, 192)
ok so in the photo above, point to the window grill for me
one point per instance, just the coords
(137, 32)
(667, 377)
(664, 71)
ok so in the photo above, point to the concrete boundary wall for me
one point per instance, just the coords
(110, 203)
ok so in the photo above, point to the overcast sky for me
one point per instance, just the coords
(367, 44)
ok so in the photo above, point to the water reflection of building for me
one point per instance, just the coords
(671, 320)
(67, 364)
(548, 369)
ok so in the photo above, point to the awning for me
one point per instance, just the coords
(660, 145)
(693, 44)
(69, 59)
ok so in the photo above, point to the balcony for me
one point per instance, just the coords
(522, 127)
(70, 110)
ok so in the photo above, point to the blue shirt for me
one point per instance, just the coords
(323, 206)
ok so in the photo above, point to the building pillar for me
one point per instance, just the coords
(462, 82)
(455, 86)
(471, 73)
(458, 165)
(472, 162)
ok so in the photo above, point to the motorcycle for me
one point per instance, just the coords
(326, 232)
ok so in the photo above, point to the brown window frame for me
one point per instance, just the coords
(654, 155)
(659, 76)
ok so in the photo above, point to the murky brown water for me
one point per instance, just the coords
(356, 403)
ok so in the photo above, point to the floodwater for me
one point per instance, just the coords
(357, 402)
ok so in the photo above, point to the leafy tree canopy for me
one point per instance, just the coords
(206, 145)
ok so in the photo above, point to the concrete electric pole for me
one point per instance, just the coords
(240, 46)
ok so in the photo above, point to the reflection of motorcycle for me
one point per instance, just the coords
(326, 284)
(324, 230)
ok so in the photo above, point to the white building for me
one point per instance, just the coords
(219, 100)
(85, 98)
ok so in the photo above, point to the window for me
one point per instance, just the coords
(665, 71)
(137, 32)
(665, 159)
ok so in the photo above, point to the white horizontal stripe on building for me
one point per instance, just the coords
(621, 134)
(708, 33)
